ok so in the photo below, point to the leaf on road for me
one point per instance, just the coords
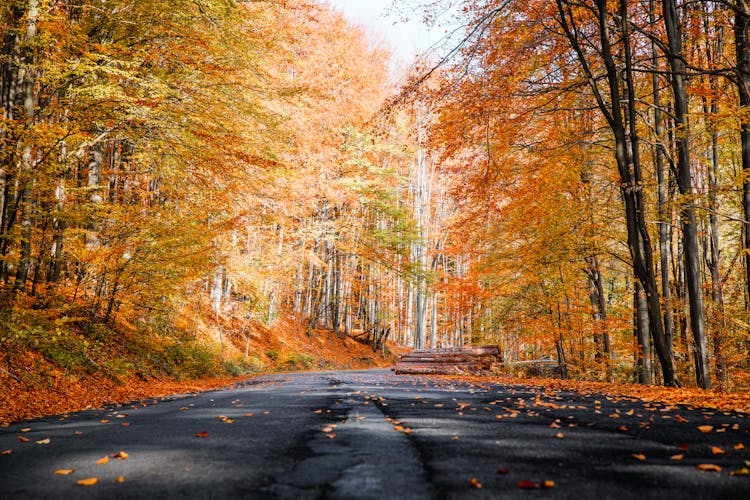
(248, 414)
(120, 479)
(548, 483)
(331, 435)
(120, 455)
(102, 461)
(679, 456)
(684, 446)
(89, 481)
(26, 429)
(502, 470)
(525, 484)
(125, 424)
(716, 450)
(64, 472)
(475, 483)
(680, 419)
(202, 434)
(6, 452)
(559, 435)
(318, 411)
(638, 456)
(739, 446)
(23, 439)
(623, 428)
(398, 427)
(328, 428)
(43, 441)
(105, 421)
(740, 472)
(554, 425)
(705, 429)
(709, 467)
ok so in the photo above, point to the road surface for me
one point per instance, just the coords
(371, 434)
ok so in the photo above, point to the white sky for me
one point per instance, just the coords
(383, 22)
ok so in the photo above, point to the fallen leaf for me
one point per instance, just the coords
(739, 446)
(23, 439)
(318, 411)
(248, 414)
(327, 428)
(716, 450)
(90, 481)
(740, 472)
(120, 479)
(6, 452)
(554, 425)
(705, 429)
(684, 446)
(43, 441)
(680, 419)
(679, 456)
(525, 484)
(184, 408)
(502, 470)
(548, 483)
(638, 456)
(559, 435)
(125, 424)
(102, 461)
(64, 472)
(202, 434)
(331, 435)
(398, 427)
(26, 429)
(120, 455)
(475, 483)
(709, 467)
(105, 421)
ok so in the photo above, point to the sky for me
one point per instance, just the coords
(382, 21)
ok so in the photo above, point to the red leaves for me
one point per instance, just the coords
(202, 434)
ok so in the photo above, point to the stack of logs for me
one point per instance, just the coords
(449, 361)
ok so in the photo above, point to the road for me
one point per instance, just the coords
(371, 434)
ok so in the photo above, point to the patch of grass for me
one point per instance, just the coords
(296, 361)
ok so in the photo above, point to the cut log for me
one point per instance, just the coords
(451, 361)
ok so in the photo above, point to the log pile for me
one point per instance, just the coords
(449, 361)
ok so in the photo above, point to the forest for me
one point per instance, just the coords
(569, 180)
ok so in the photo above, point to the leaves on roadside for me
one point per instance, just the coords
(64, 472)
(475, 483)
(89, 481)
(709, 467)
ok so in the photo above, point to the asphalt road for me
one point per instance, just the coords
(371, 434)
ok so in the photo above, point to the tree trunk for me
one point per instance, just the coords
(691, 249)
